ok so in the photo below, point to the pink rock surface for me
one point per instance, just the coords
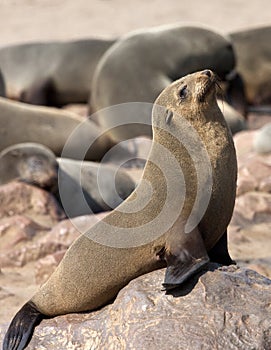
(17, 234)
(61, 237)
(226, 308)
(252, 208)
(254, 173)
(18, 198)
(243, 142)
(22, 240)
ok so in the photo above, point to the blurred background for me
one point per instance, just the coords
(30, 20)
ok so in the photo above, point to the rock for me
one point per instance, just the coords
(58, 241)
(258, 120)
(17, 229)
(17, 234)
(17, 286)
(262, 140)
(249, 230)
(18, 198)
(251, 242)
(46, 266)
(22, 240)
(37, 253)
(4, 293)
(26, 214)
(254, 170)
(243, 142)
(66, 231)
(252, 208)
(262, 265)
(226, 308)
(254, 173)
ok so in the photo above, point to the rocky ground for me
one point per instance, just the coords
(34, 236)
(200, 316)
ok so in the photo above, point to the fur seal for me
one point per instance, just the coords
(52, 127)
(152, 227)
(51, 73)
(156, 56)
(253, 54)
(74, 183)
(2, 86)
(32, 163)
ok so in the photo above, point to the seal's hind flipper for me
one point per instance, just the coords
(185, 255)
(21, 328)
(219, 253)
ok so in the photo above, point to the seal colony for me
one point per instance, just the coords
(51, 73)
(253, 55)
(143, 63)
(74, 183)
(126, 243)
(52, 127)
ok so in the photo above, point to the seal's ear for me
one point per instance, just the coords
(185, 255)
(169, 116)
(219, 253)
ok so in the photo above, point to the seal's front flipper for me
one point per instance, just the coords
(185, 255)
(219, 253)
(177, 274)
(21, 328)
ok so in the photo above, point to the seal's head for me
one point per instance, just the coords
(31, 163)
(192, 97)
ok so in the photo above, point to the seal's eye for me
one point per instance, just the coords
(183, 92)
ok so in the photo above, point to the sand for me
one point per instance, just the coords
(32, 20)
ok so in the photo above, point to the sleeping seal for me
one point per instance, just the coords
(52, 127)
(51, 73)
(253, 55)
(143, 63)
(81, 187)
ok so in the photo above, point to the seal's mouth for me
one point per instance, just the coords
(206, 85)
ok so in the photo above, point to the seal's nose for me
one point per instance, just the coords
(207, 72)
